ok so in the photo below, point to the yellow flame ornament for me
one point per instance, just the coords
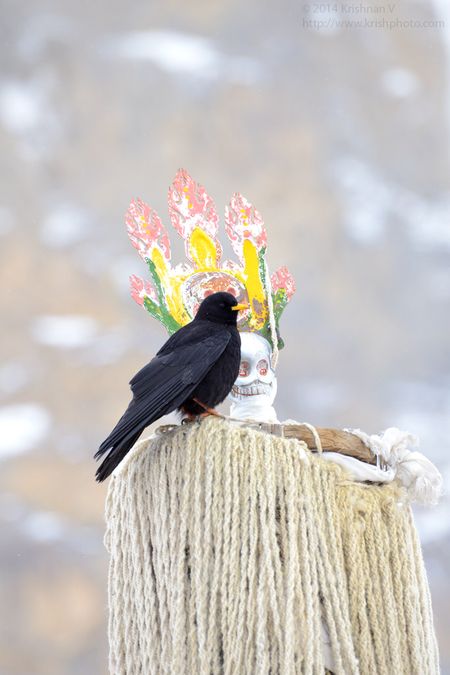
(173, 294)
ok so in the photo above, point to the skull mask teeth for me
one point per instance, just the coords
(256, 386)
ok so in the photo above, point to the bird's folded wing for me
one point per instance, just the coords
(165, 383)
(189, 362)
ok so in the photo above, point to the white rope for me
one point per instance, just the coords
(399, 459)
(315, 433)
(229, 551)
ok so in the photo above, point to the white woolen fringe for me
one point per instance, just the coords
(228, 546)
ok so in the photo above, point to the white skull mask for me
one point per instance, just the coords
(255, 389)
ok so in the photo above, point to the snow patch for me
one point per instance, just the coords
(43, 526)
(22, 427)
(40, 31)
(371, 203)
(28, 113)
(184, 53)
(366, 201)
(49, 526)
(400, 82)
(64, 226)
(65, 332)
(427, 221)
(106, 349)
(21, 107)
(170, 50)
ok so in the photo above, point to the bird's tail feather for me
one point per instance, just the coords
(118, 434)
(139, 414)
(115, 456)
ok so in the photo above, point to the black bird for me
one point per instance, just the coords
(192, 372)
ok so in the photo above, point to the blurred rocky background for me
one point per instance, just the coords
(333, 119)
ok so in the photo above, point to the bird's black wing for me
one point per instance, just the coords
(164, 384)
(188, 346)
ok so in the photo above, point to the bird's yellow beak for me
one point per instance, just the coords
(237, 308)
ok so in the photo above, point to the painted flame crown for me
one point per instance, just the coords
(172, 294)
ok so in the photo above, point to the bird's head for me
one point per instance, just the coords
(220, 308)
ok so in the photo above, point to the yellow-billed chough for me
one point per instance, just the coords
(193, 371)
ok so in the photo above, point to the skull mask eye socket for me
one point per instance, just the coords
(244, 369)
(262, 367)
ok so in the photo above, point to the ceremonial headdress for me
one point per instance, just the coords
(172, 294)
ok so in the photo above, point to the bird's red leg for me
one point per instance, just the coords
(208, 411)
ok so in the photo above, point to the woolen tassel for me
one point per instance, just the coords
(229, 548)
